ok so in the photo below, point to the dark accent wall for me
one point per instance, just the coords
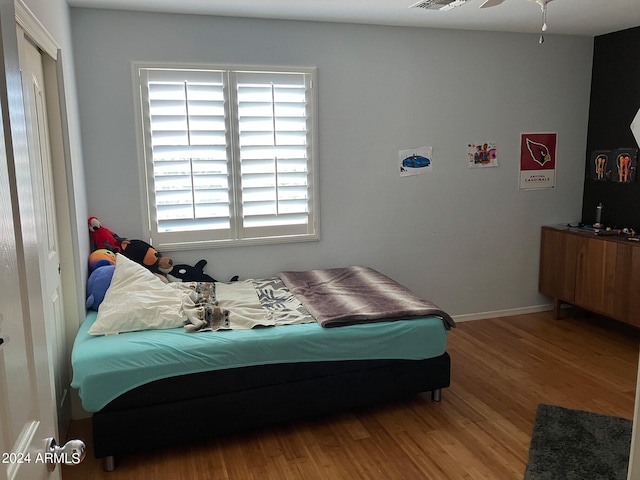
(615, 100)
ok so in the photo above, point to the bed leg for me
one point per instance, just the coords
(109, 463)
(436, 395)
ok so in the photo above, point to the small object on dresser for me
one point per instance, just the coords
(597, 223)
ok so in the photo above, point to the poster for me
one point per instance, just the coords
(415, 161)
(482, 155)
(599, 167)
(537, 160)
(624, 165)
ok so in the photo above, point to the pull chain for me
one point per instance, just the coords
(544, 22)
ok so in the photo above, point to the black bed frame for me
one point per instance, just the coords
(153, 415)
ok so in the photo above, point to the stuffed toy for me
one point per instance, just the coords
(103, 237)
(147, 256)
(100, 258)
(186, 273)
(97, 285)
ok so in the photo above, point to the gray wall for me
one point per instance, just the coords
(466, 239)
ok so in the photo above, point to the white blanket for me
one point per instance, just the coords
(138, 300)
(245, 309)
(222, 306)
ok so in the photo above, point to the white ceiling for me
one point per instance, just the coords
(571, 17)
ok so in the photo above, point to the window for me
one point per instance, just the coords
(228, 155)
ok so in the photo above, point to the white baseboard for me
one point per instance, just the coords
(502, 313)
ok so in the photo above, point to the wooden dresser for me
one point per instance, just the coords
(597, 273)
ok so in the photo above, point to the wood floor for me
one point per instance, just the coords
(501, 370)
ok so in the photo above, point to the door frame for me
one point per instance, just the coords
(71, 271)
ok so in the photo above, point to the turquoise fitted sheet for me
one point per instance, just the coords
(105, 367)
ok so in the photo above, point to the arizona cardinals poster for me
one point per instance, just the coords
(537, 160)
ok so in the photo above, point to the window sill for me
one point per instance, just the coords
(202, 245)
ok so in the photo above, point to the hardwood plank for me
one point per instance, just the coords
(502, 369)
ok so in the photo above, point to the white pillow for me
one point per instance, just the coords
(137, 300)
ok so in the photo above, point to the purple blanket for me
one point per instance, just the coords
(351, 295)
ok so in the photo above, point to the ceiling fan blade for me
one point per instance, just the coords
(491, 3)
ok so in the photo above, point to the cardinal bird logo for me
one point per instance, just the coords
(539, 152)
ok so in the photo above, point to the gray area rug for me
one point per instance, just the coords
(575, 445)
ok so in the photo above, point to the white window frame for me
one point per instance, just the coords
(236, 234)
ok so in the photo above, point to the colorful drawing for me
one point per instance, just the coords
(415, 161)
(482, 155)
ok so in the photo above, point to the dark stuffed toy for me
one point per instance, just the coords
(186, 273)
(103, 237)
(147, 256)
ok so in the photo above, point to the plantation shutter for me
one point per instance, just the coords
(188, 147)
(228, 155)
(274, 150)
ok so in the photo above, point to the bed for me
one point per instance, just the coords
(149, 388)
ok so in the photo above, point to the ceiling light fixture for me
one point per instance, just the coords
(543, 6)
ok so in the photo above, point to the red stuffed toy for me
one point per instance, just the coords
(103, 237)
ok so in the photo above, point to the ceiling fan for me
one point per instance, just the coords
(542, 3)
